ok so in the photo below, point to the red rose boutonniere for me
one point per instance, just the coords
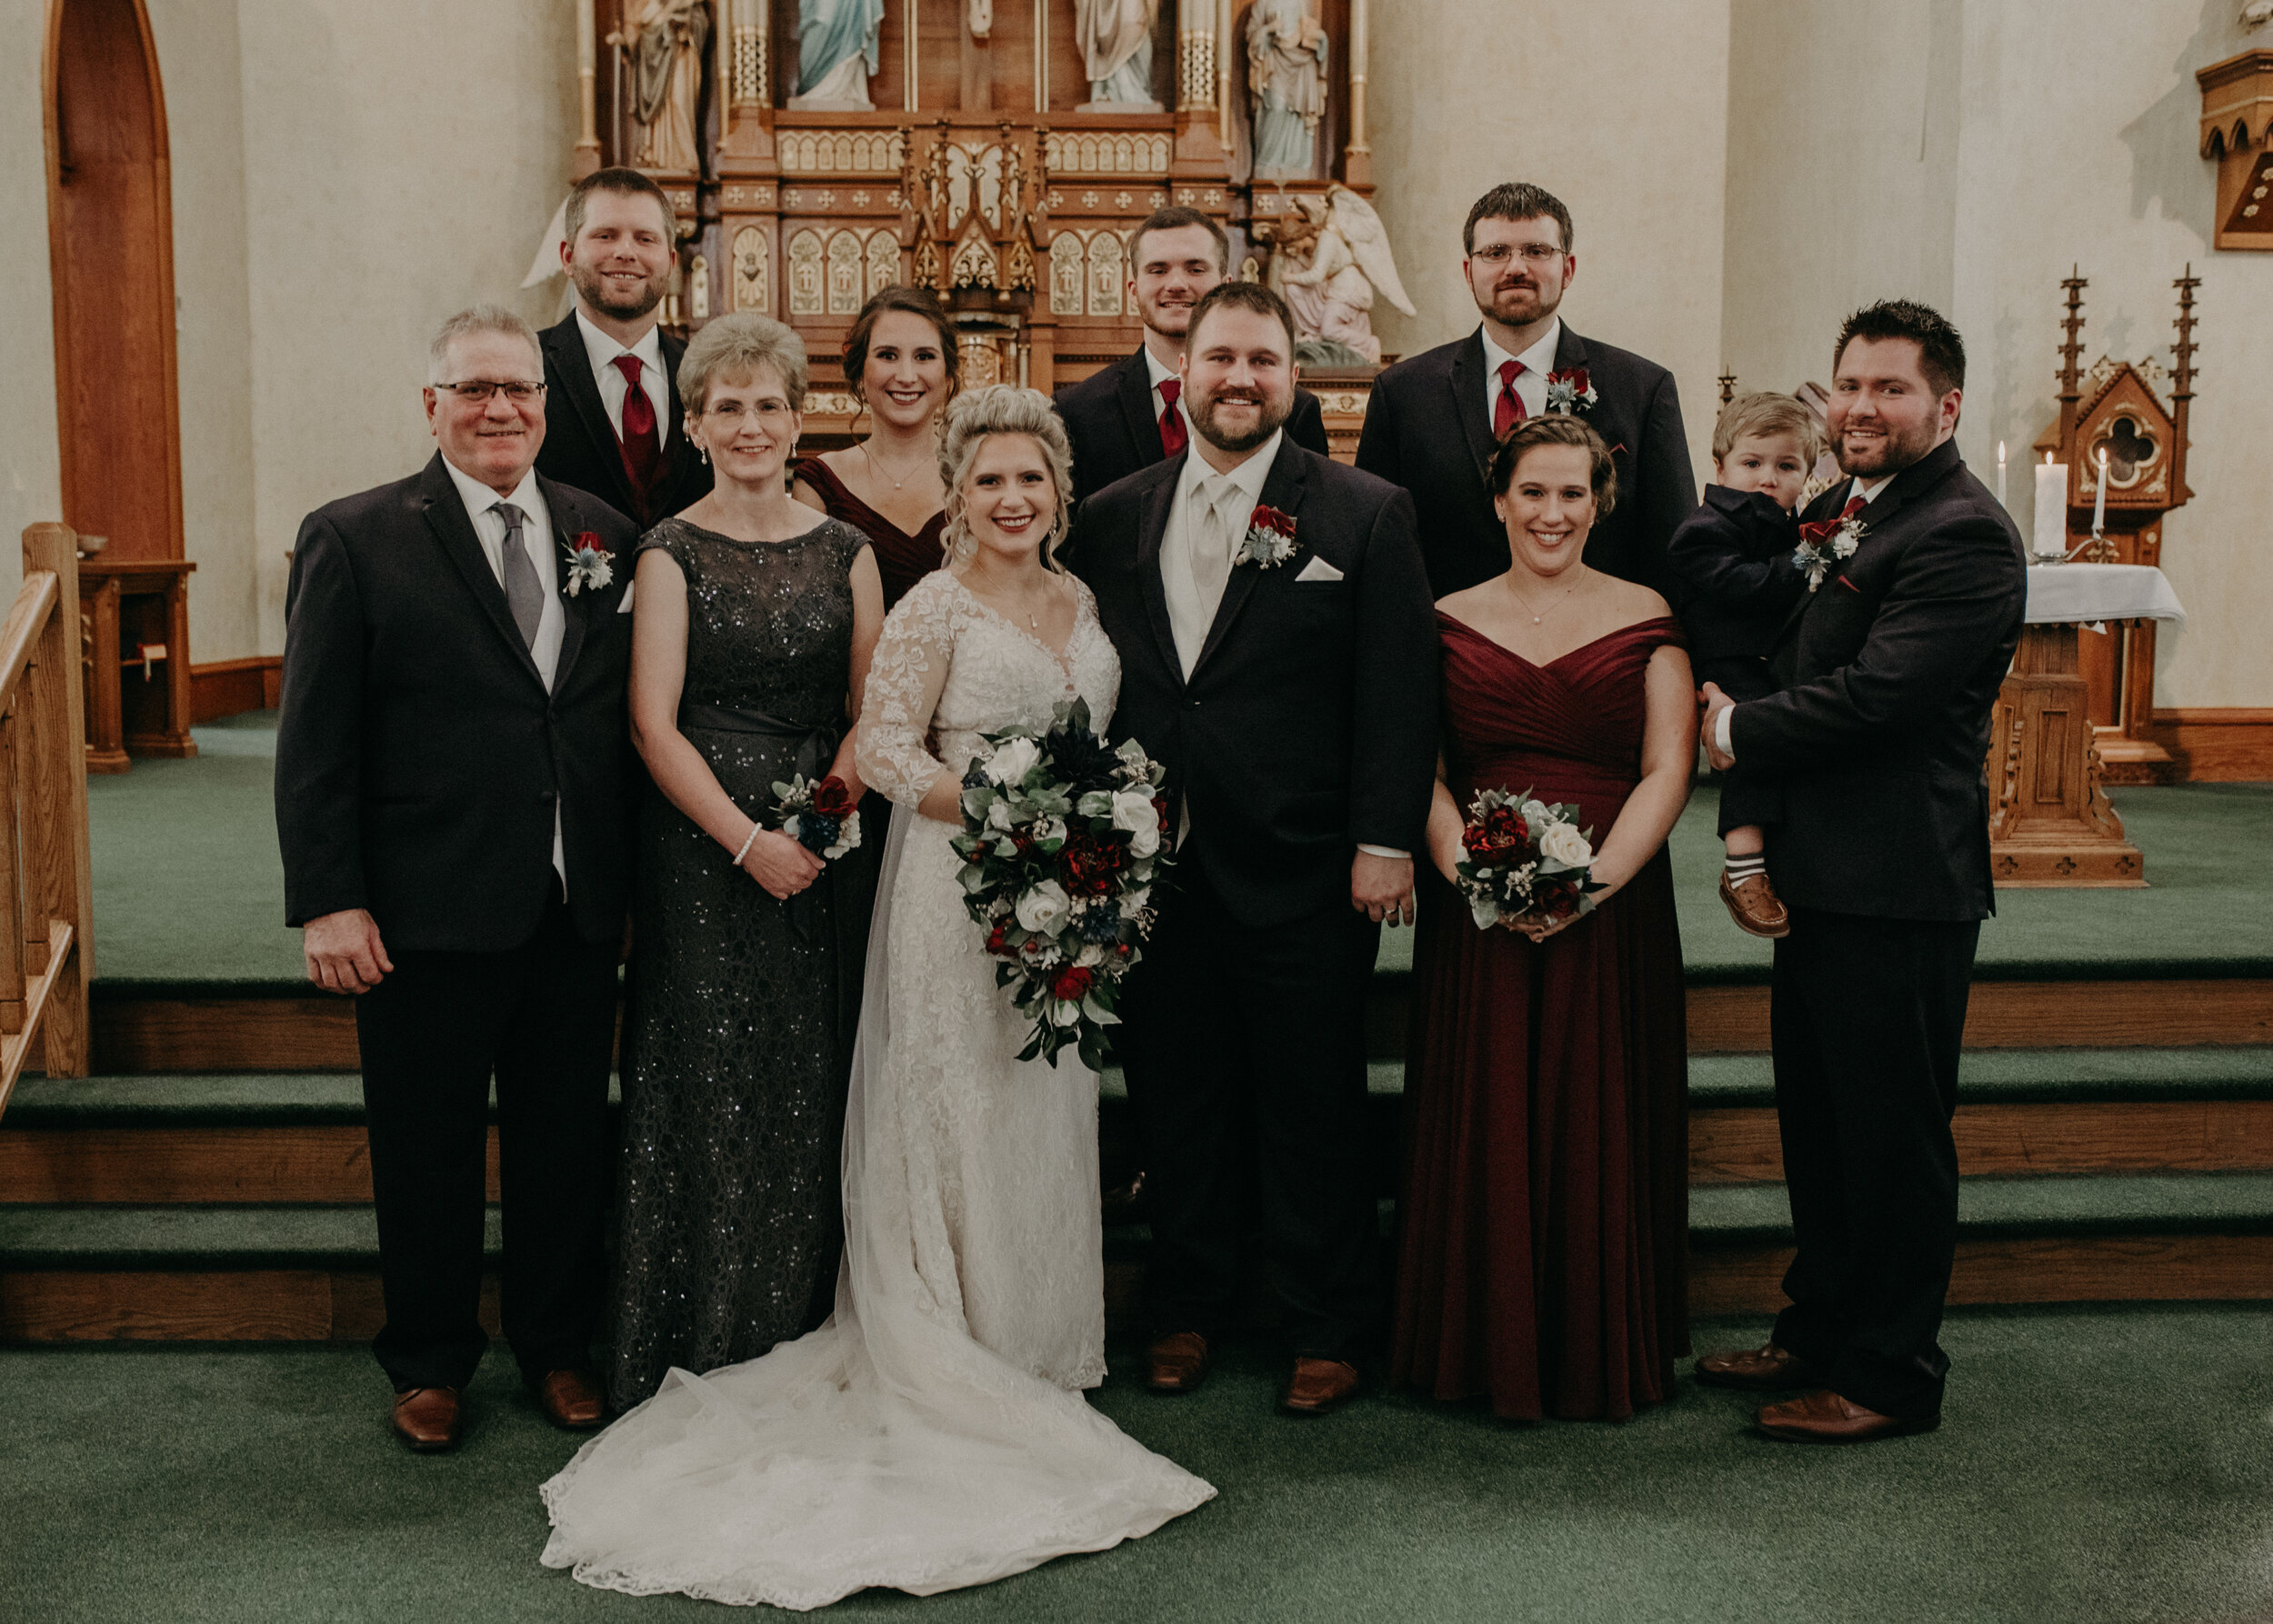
(588, 563)
(1270, 538)
(1568, 392)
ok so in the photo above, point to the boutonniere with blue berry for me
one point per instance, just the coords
(1568, 392)
(588, 563)
(1827, 542)
(1270, 538)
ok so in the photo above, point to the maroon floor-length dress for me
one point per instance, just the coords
(1543, 1257)
(901, 560)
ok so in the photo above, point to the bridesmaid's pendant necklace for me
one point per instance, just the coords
(1542, 613)
(882, 471)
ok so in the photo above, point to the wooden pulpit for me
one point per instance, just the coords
(134, 625)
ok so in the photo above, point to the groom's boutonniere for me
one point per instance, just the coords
(1270, 538)
(1824, 543)
(1568, 392)
(588, 563)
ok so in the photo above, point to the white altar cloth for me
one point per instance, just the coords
(2089, 592)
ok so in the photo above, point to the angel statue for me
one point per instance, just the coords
(1286, 85)
(1114, 37)
(837, 50)
(1329, 262)
(663, 41)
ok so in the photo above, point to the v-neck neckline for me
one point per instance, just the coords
(1064, 657)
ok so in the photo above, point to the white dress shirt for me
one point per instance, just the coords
(1868, 492)
(1161, 375)
(615, 387)
(1531, 382)
(536, 540)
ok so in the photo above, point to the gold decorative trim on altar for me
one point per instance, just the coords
(841, 152)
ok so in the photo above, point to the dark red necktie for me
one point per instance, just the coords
(1173, 438)
(1508, 410)
(1822, 530)
(641, 447)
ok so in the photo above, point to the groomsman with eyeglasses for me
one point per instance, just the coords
(1435, 420)
(613, 424)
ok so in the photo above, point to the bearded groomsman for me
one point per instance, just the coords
(1889, 666)
(453, 801)
(1435, 420)
(1129, 415)
(613, 422)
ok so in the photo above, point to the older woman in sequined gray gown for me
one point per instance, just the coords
(753, 620)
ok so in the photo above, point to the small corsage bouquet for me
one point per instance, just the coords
(1061, 845)
(1568, 392)
(821, 817)
(1527, 860)
(588, 563)
(1270, 538)
(1825, 542)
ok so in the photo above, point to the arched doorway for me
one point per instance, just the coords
(110, 233)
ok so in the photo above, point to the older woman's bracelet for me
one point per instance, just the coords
(748, 840)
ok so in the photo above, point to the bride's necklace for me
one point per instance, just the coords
(1034, 621)
(1539, 614)
(884, 471)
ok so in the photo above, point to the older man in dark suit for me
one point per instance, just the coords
(614, 423)
(1433, 421)
(453, 799)
(1890, 667)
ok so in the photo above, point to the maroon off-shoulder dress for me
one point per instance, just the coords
(1543, 1253)
(901, 560)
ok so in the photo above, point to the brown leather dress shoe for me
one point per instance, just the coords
(1318, 1386)
(1754, 904)
(571, 1399)
(427, 1418)
(1177, 1363)
(1768, 1369)
(1823, 1417)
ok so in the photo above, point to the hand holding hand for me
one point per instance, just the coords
(779, 864)
(1381, 888)
(1714, 702)
(344, 952)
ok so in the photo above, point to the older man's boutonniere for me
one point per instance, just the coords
(1824, 543)
(1270, 538)
(588, 563)
(1568, 392)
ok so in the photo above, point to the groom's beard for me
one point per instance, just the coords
(1888, 451)
(1275, 413)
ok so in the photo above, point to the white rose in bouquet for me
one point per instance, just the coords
(1561, 843)
(1133, 810)
(1043, 909)
(1013, 760)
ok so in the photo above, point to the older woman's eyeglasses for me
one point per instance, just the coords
(478, 391)
(767, 412)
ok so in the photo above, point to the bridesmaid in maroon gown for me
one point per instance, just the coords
(901, 362)
(1545, 1233)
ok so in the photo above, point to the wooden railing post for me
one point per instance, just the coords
(51, 761)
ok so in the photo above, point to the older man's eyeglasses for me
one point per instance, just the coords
(478, 391)
(1498, 254)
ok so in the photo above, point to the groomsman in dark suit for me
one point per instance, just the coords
(1435, 420)
(1878, 739)
(1128, 416)
(452, 800)
(613, 422)
(1293, 701)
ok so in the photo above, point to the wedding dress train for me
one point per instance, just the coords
(931, 1435)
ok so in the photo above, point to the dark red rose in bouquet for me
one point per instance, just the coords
(832, 797)
(1071, 983)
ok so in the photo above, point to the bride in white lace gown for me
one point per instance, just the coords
(933, 1433)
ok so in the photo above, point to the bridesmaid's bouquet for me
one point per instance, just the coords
(822, 816)
(1527, 860)
(1061, 843)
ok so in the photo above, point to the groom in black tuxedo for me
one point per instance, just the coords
(1877, 738)
(1293, 702)
(454, 797)
(1433, 421)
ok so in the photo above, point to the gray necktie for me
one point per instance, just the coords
(524, 595)
(1211, 549)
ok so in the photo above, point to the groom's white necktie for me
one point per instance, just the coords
(1211, 547)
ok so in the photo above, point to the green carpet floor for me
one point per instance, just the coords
(188, 885)
(2094, 1466)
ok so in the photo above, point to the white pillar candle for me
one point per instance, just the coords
(2100, 498)
(2050, 540)
(2001, 475)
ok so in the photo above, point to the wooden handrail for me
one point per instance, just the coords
(46, 877)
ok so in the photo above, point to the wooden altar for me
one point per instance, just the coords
(134, 624)
(2050, 820)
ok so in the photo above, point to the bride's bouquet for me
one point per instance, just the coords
(822, 816)
(1527, 860)
(1061, 843)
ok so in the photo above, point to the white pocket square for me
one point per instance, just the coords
(1319, 569)
(625, 607)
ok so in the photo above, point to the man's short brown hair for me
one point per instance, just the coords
(1240, 296)
(1515, 200)
(1178, 218)
(1940, 350)
(624, 183)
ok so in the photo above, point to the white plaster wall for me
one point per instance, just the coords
(31, 474)
(1620, 108)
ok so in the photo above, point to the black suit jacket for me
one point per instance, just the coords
(1880, 733)
(1109, 418)
(580, 445)
(1427, 429)
(1309, 723)
(1736, 579)
(419, 757)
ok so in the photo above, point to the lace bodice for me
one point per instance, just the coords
(988, 673)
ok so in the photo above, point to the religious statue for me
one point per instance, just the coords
(663, 42)
(1114, 37)
(1286, 85)
(837, 50)
(2257, 14)
(1331, 259)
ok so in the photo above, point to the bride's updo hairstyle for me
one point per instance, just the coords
(1003, 409)
(1557, 428)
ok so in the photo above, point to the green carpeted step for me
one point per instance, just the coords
(2032, 1076)
(2155, 1204)
(196, 1237)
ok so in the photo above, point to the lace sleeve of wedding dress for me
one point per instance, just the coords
(904, 680)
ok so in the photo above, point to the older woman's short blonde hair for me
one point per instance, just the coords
(732, 349)
(1003, 409)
